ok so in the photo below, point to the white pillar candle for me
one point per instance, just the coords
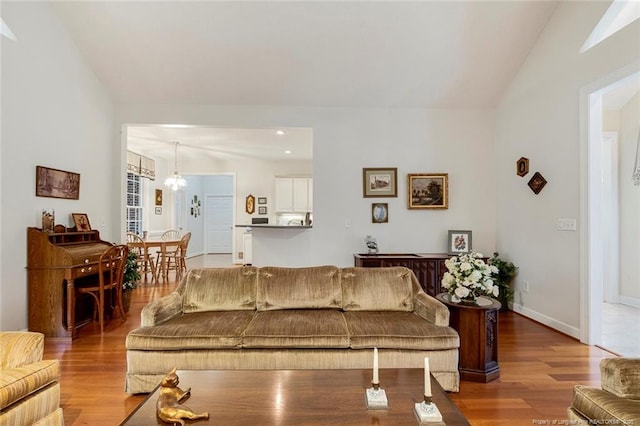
(376, 379)
(427, 378)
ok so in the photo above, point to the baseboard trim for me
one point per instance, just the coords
(548, 321)
(631, 301)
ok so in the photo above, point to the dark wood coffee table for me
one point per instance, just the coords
(300, 397)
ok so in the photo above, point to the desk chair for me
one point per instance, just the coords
(110, 274)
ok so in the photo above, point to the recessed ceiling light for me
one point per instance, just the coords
(287, 151)
(281, 132)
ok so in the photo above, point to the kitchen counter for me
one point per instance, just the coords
(276, 226)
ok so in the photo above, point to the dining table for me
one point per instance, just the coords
(163, 246)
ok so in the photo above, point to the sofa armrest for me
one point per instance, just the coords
(18, 348)
(621, 377)
(161, 310)
(431, 309)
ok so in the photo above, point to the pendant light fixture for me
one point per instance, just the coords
(175, 181)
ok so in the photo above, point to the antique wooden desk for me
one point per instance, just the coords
(55, 261)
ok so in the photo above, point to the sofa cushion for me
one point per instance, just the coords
(299, 288)
(397, 330)
(198, 330)
(297, 328)
(219, 289)
(18, 382)
(377, 289)
(605, 407)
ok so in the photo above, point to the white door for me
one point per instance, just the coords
(218, 223)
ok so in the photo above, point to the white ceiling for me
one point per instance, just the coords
(423, 54)
(221, 143)
(427, 54)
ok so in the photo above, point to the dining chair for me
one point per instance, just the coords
(163, 256)
(170, 235)
(146, 263)
(110, 275)
(176, 259)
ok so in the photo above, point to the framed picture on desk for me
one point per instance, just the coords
(81, 220)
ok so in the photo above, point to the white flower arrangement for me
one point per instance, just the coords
(469, 277)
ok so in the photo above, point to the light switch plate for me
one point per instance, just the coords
(567, 224)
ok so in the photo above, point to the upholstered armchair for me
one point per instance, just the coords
(29, 388)
(618, 402)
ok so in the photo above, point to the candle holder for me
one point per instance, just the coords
(375, 398)
(427, 412)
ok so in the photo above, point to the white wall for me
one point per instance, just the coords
(629, 204)
(346, 140)
(539, 119)
(55, 113)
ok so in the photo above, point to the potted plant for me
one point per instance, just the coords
(130, 279)
(506, 272)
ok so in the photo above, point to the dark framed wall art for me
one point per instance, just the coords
(56, 183)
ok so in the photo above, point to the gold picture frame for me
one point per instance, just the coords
(380, 182)
(250, 204)
(428, 190)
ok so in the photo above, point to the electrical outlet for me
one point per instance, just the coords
(525, 286)
(347, 223)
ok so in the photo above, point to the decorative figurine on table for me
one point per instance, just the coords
(169, 408)
(372, 244)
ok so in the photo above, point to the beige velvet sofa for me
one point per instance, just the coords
(29, 387)
(618, 402)
(292, 318)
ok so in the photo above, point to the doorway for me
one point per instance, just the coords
(218, 213)
(604, 179)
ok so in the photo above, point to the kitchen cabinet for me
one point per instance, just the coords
(294, 194)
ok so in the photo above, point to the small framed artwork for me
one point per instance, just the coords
(522, 166)
(428, 190)
(158, 197)
(250, 204)
(379, 213)
(262, 210)
(379, 182)
(459, 242)
(56, 183)
(158, 210)
(48, 220)
(537, 182)
(81, 221)
(262, 200)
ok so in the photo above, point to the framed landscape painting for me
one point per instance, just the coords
(428, 190)
(57, 183)
(381, 182)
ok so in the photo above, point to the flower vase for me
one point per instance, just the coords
(469, 301)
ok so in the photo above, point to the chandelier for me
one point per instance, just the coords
(175, 181)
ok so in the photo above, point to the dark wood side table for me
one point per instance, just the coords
(477, 326)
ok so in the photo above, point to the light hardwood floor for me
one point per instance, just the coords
(539, 367)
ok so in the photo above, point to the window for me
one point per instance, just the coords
(620, 14)
(134, 203)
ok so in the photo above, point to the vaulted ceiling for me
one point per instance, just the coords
(426, 54)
